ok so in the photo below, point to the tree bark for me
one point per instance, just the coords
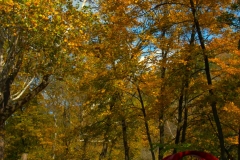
(146, 123)
(161, 135)
(213, 102)
(7, 109)
(184, 128)
(179, 126)
(186, 85)
(185, 117)
(104, 150)
(162, 106)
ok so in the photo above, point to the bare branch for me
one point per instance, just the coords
(21, 93)
(83, 3)
(170, 130)
(33, 93)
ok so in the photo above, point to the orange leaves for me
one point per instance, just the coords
(233, 140)
(227, 66)
(234, 110)
(98, 57)
(232, 121)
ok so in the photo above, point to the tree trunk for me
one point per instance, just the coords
(179, 126)
(184, 128)
(161, 135)
(162, 106)
(125, 143)
(113, 142)
(213, 102)
(103, 153)
(104, 150)
(186, 85)
(185, 118)
(146, 123)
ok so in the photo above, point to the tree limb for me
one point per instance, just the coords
(17, 96)
(33, 93)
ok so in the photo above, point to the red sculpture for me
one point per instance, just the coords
(200, 155)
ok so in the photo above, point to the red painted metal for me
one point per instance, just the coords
(199, 154)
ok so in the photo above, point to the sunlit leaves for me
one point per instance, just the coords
(100, 55)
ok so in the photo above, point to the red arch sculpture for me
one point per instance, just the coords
(200, 155)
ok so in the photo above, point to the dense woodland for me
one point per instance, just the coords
(119, 79)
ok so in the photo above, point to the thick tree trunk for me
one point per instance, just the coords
(146, 123)
(8, 106)
(125, 142)
(213, 102)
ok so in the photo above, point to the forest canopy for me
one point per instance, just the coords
(119, 79)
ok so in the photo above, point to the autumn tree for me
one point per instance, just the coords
(126, 75)
(29, 31)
